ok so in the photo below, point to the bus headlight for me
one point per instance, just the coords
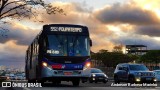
(87, 65)
(44, 64)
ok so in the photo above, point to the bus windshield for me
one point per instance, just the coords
(63, 45)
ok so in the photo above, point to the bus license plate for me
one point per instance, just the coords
(67, 73)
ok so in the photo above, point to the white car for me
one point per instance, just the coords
(157, 75)
(19, 77)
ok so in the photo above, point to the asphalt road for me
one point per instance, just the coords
(84, 86)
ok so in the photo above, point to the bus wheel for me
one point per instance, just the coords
(41, 81)
(56, 82)
(76, 82)
(90, 81)
(29, 81)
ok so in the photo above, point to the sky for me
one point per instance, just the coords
(110, 23)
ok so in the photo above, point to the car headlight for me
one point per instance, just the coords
(155, 80)
(93, 75)
(106, 76)
(138, 79)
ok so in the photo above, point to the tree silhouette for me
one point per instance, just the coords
(118, 48)
(19, 9)
(111, 59)
(151, 57)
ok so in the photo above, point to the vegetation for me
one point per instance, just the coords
(118, 48)
(111, 59)
(152, 56)
(20, 9)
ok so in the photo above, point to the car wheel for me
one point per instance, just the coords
(83, 81)
(116, 80)
(90, 81)
(104, 82)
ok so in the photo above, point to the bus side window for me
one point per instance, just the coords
(31, 53)
(44, 45)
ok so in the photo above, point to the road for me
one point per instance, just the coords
(84, 86)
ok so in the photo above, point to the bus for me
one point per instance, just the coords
(60, 52)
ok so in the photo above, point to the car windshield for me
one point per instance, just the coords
(96, 71)
(138, 68)
(69, 45)
(157, 72)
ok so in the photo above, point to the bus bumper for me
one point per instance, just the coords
(50, 74)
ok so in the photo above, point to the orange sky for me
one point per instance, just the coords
(110, 23)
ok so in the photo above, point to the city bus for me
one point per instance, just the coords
(60, 52)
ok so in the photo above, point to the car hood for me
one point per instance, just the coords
(144, 73)
(99, 74)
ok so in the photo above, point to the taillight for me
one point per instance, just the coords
(57, 66)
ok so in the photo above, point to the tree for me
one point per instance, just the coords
(111, 59)
(19, 9)
(135, 58)
(118, 48)
(24, 8)
(152, 56)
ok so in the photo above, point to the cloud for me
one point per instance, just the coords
(133, 39)
(126, 13)
(101, 42)
(21, 34)
(150, 30)
(147, 4)
(112, 25)
(78, 14)
(11, 54)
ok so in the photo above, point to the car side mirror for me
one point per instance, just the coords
(90, 42)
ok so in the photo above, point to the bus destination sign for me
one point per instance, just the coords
(66, 29)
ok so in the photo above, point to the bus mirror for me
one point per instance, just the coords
(90, 41)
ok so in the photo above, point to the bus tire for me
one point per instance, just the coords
(56, 82)
(76, 82)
